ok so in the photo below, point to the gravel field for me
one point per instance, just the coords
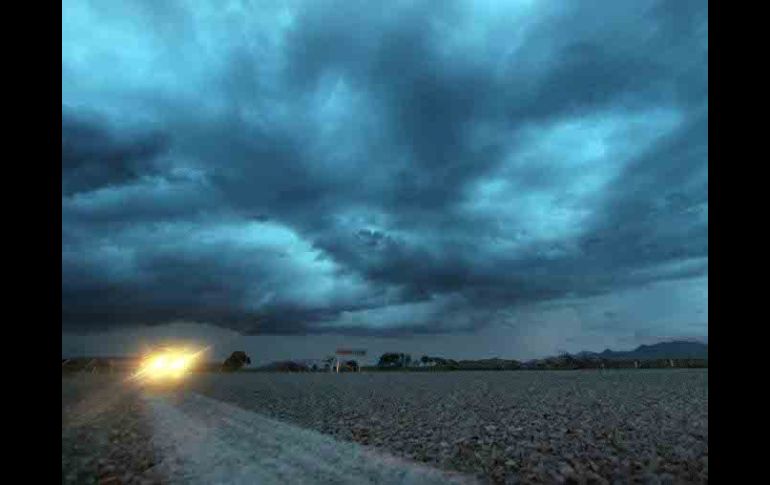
(635, 426)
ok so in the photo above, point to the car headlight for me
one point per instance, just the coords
(166, 364)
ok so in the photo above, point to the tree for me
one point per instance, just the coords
(236, 360)
(392, 359)
(388, 360)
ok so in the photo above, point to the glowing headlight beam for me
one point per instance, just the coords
(167, 363)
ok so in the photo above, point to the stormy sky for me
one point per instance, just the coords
(520, 171)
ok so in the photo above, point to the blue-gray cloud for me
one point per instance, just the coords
(289, 167)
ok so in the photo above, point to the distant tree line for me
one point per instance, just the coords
(394, 361)
(401, 361)
(325, 365)
(570, 362)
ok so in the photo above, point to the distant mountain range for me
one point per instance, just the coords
(664, 350)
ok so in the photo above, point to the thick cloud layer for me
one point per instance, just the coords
(332, 166)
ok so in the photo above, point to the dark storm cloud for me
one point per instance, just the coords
(417, 170)
(92, 156)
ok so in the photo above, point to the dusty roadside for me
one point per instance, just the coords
(105, 436)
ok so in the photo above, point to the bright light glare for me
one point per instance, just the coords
(167, 363)
(159, 363)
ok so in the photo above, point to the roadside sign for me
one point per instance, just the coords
(337, 363)
(351, 352)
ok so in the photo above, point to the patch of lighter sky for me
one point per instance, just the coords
(586, 155)
(670, 269)
(118, 56)
(479, 27)
(152, 191)
(388, 316)
(344, 124)
(660, 308)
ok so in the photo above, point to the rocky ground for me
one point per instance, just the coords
(634, 426)
(105, 434)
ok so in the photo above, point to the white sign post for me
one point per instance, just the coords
(360, 352)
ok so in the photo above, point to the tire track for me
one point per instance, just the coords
(202, 440)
